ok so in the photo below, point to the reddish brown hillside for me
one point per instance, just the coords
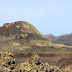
(50, 37)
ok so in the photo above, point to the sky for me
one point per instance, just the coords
(48, 16)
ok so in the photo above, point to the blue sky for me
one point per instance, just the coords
(48, 16)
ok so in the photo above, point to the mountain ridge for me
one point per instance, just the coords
(65, 39)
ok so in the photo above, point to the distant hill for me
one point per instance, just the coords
(50, 37)
(64, 39)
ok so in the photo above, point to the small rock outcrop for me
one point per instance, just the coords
(7, 62)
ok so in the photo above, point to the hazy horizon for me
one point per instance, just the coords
(48, 16)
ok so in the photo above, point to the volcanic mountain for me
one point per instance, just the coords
(20, 35)
(23, 39)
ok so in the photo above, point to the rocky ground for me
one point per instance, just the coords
(32, 64)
